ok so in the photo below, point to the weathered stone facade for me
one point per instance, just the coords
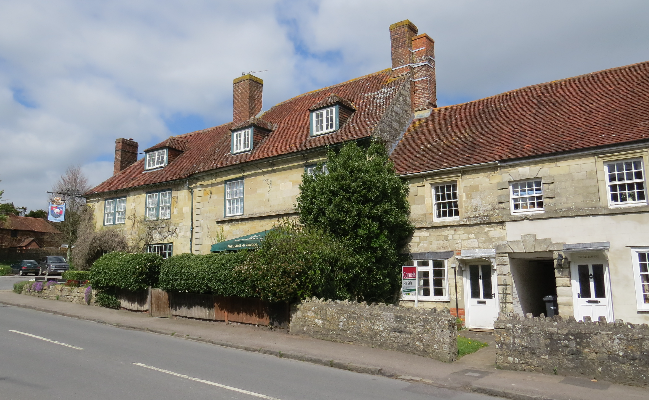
(418, 331)
(575, 211)
(615, 352)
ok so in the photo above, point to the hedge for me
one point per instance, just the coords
(294, 263)
(218, 273)
(80, 276)
(125, 271)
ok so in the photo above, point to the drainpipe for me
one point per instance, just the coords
(191, 215)
(456, 289)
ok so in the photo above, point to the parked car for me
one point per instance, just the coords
(53, 265)
(26, 267)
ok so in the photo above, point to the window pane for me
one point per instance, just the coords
(599, 280)
(424, 283)
(475, 290)
(583, 281)
(486, 275)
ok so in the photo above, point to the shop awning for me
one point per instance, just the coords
(240, 243)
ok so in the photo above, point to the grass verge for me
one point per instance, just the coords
(468, 346)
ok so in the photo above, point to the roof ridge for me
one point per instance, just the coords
(327, 87)
(543, 84)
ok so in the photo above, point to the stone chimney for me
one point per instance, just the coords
(126, 153)
(413, 54)
(246, 98)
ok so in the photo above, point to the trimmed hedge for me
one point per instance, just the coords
(218, 273)
(294, 263)
(76, 275)
(125, 271)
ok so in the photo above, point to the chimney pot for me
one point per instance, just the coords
(126, 153)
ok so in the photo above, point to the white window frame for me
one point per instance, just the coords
(426, 280)
(115, 211)
(324, 121)
(528, 192)
(155, 159)
(641, 278)
(158, 205)
(242, 140)
(234, 197)
(445, 195)
(630, 178)
(312, 170)
(165, 250)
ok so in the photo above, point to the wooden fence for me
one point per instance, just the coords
(160, 303)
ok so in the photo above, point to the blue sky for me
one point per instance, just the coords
(74, 76)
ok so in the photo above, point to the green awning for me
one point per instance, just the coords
(240, 243)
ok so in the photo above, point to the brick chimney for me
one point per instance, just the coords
(401, 37)
(246, 98)
(126, 153)
(413, 54)
(424, 73)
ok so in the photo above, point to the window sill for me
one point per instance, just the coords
(628, 205)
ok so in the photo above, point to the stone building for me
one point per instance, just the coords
(541, 191)
(534, 192)
(194, 190)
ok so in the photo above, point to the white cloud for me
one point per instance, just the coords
(76, 76)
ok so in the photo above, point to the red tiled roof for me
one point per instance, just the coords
(598, 109)
(209, 149)
(15, 222)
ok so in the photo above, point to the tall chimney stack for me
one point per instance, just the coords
(126, 153)
(412, 54)
(424, 73)
(246, 98)
(401, 37)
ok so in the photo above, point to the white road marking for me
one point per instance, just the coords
(234, 389)
(46, 339)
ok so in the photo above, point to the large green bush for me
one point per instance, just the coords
(217, 273)
(125, 271)
(294, 263)
(363, 203)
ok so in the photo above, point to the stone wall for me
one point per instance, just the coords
(427, 333)
(616, 352)
(75, 295)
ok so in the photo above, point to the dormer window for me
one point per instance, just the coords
(324, 121)
(241, 140)
(156, 159)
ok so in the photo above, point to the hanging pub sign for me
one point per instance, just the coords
(56, 210)
(409, 283)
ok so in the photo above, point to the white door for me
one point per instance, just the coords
(591, 290)
(481, 298)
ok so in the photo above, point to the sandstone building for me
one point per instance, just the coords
(538, 191)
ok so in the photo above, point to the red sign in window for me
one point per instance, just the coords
(409, 273)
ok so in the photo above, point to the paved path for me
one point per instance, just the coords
(475, 372)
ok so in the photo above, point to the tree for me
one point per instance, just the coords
(37, 214)
(361, 201)
(70, 188)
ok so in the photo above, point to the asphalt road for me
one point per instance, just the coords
(54, 357)
(7, 282)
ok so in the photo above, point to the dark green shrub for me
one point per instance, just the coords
(217, 273)
(107, 299)
(5, 270)
(18, 286)
(294, 263)
(76, 275)
(363, 203)
(125, 271)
